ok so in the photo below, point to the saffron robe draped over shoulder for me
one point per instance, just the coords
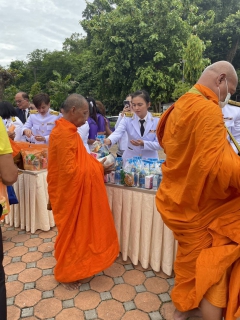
(199, 199)
(87, 241)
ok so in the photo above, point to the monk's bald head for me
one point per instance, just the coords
(73, 100)
(219, 75)
(222, 67)
(75, 109)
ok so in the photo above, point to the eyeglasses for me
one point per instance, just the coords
(19, 101)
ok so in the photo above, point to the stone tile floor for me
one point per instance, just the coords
(123, 291)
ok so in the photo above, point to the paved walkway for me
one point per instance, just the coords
(123, 291)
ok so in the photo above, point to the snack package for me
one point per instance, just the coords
(35, 160)
(129, 173)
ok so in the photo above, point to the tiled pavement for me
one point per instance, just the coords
(123, 291)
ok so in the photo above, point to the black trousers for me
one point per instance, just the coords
(3, 303)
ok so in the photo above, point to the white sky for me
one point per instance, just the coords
(27, 25)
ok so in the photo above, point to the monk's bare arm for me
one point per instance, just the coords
(8, 170)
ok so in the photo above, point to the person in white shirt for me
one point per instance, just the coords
(84, 132)
(231, 116)
(41, 121)
(12, 123)
(141, 129)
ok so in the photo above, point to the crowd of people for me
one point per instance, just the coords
(198, 197)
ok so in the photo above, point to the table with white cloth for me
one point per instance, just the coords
(31, 213)
(142, 234)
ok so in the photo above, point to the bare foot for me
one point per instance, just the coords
(178, 315)
(71, 285)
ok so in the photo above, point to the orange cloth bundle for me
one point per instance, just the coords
(87, 241)
(199, 199)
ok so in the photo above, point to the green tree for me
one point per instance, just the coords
(131, 47)
(193, 61)
(60, 88)
(35, 89)
(9, 93)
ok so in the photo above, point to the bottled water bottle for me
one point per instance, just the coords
(117, 177)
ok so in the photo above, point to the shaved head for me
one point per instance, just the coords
(74, 100)
(221, 78)
(75, 109)
(222, 67)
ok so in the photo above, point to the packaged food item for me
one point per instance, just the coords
(149, 182)
(35, 160)
(106, 178)
(129, 170)
(112, 177)
(109, 159)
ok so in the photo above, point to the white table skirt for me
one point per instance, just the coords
(31, 213)
(142, 234)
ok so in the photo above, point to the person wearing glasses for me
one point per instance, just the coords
(23, 104)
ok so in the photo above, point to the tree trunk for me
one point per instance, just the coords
(157, 107)
(232, 52)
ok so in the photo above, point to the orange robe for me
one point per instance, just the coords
(87, 240)
(199, 199)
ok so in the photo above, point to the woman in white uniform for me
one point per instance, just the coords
(140, 127)
(10, 119)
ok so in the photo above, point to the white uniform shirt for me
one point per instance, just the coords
(18, 127)
(123, 141)
(231, 115)
(41, 125)
(132, 127)
(84, 132)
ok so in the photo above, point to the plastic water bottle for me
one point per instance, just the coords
(142, 175)
(117, 177)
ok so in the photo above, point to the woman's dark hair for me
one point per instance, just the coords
(39, 98)
(143, 94)
(7, 110)
(92, 109)
(101, 108)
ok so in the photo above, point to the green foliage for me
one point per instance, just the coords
(193, 61)
(134, 44)
(9, 93)
(180, 89)
(35, 89)
(59, 89)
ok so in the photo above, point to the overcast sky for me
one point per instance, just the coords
(27, 25)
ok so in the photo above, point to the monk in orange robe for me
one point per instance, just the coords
(199, 198)
(87, 241)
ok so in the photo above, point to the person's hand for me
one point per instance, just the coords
(11, 135)
(137, 143)
(107, 142)
(125, 109)
(40, 138)
(27, 132)
(107, 168)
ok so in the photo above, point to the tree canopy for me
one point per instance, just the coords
(158, 45)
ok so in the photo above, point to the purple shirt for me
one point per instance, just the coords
(93, 129)
(101, 123)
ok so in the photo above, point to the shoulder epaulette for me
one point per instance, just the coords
(13, 119)
(56, 113)
(234, 103)
(156, 115)
(129, 114)
(33, 111)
